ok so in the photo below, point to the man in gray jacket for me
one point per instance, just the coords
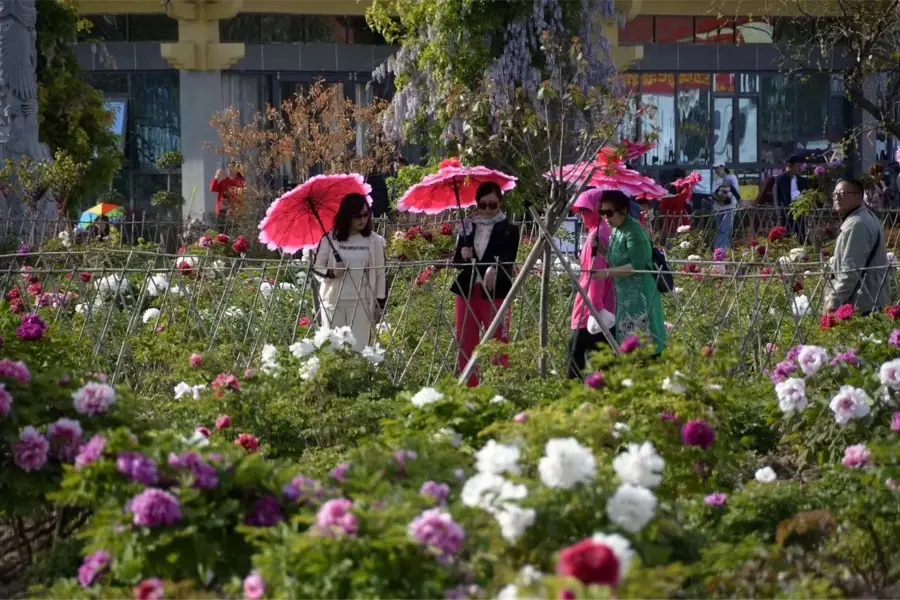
(860, 267)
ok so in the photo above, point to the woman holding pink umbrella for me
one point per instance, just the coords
(602, 293)
(485, 253)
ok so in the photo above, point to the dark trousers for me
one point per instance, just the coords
(582, 343)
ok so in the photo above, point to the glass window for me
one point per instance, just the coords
(812, 111)
(713, 30)
(152, 28)
(637, 31)
(749, 84)
(693, 118)
(147, 184)
(776, 121)
(674, 30)
(107, 28)
(754, 30)
(789, 30)
(359, 32)
(723, 140)
(108, 82)
(246, 28)
(745, 129)
(155, 117)
(723, 83)
(282, 29)
(658, 91)
(325, 29)
(249, 93)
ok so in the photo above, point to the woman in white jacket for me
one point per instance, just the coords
(350, 261)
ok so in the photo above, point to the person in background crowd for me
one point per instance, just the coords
(638, 303)
(877, 196)
(379, 195)
(788, 187)
(485, 254)
(223, 184)
(673, 210)
(351, 261)
(100, 229)
(860, 266)
(726, 195)
(601, 293)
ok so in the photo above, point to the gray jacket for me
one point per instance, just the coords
(869, 289)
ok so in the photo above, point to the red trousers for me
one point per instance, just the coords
(473, 317)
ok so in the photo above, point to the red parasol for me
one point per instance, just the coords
(690, 181)
(299, 219)
(607, 172)
(453, 186)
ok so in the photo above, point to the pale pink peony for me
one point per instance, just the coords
(31, 451)
(94, 399)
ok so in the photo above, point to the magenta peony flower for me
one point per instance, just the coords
(205, 475)
(149, 589)
(339, 473)
(595, 381)
(30, 452)
(439, 492)
(522, 417)
(138, 467)
(857, 457)
(848, 358)
(698, 433)
(783, 371)
(223, 422)
(195, 360)
(15, 370)
(793, 354)
(94, 399)
(718, 500)
(6, 402)
(204, 431)
(630, 344)
(32, 329)
(334, 519)
(90, 452)
(720, 254)
(93, 568)
(895, 422)
(669, 417)
(439, 533)
(894, 339)
(205, 242)
(254, 586)
(266, 512)
(154, 507)
(65, 439)
(845, 312)
(248, 442)
(819, 171)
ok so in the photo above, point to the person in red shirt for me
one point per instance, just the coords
(673, 210)
(223, 185)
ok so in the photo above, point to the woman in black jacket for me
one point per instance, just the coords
(485, 254)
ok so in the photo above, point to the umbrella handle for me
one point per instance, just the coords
(334, 251)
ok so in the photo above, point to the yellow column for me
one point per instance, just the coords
(624, 57)
(198, 47)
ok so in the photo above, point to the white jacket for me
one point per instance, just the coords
(364, 276)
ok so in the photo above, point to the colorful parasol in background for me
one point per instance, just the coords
(691, 181)
(299, 219)
(113, 212)
(608, 172)
(453, 186)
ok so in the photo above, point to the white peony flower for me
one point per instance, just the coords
(309, 369)
(182, 389)
(514, 521)
(196, 389)
(765, 475)
(640, 465)
(510, 592)
(488, 492)
(265, 288)
(674, 383)
(321, 336)
(498, 400)
(374, 354)
(889, 374)
(383, 327)
(64, 239)
(811, 359)
(338, 337)
(627, 383)
(799, 307)
(891, 258)
(450, 435)
(113, 285)
(197, 440)
(530, 576)
(566, 463)
(619, 429)
(269, 359)
(683, 229)
(151, 314)
(285, 286)
(694, 257)
(302, 349)
(678, 290)
(620, 546)
(233, 312)
(849, 403)
(791, 395)
(498, 459)
(631, 507)
(684, 245)
(426, 396)
(157, 285)
(797, 254)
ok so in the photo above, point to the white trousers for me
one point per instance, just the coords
(353, 314)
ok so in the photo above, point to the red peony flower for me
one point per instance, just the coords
(247, 442)
(446, 229)
(186, 269)
(16, 306)
(590, 563)
(778, 233)
(828, 321)
(85, 277)
(36, 289)
(222, 238)
(761, 251)
(424, 276)
(766, 273)
(690, 268)
(223, 422)
(845, 313)
(241, 245)
(304, 322)
(893, 312)
(13, 294)
(224, 382)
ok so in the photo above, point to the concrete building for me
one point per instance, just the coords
(168, 66)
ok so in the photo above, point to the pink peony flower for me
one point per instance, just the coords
(630, 344)
(439, 533)
(439, 492)
(65, 439)
(302, 489)
(895, 422)
(718, 500)
(205, 242)
(6, 402)
(149, 589)
(94, 399)
(224, 382)
(698, 433)
(205, 475)
(894, 339)
(595, 381)
(304, 322)
(195, 360)
(30, 452)
(223, 422)
(204, 431)
(845, 312)
(154, 507)
(849, 358)
(248, 442)
(138, 467)
(32, 329)
(339, 473)
(334, 519)
(17, 371)
(522, 417)
(857, 457)
(254, 586)
(90, 452)
(93, 568)
(249, 374)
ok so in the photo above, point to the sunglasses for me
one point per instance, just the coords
(488, 205)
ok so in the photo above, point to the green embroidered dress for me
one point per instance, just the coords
(638, 303)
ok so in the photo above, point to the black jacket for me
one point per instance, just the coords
(501, 251)
(782, 191)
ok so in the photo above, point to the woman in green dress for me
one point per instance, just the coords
(638, 303)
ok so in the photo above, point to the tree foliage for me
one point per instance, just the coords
(72, 115)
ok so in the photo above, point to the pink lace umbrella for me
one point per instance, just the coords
(607, 172)
(691, 181)
(299, 219)
(453, 186)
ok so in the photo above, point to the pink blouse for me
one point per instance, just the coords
(601, 293)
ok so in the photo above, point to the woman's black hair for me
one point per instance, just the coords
(486, 189)
(619, 200)
(351, 206)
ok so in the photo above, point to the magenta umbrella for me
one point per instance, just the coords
(453, 186)
(607, 172)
